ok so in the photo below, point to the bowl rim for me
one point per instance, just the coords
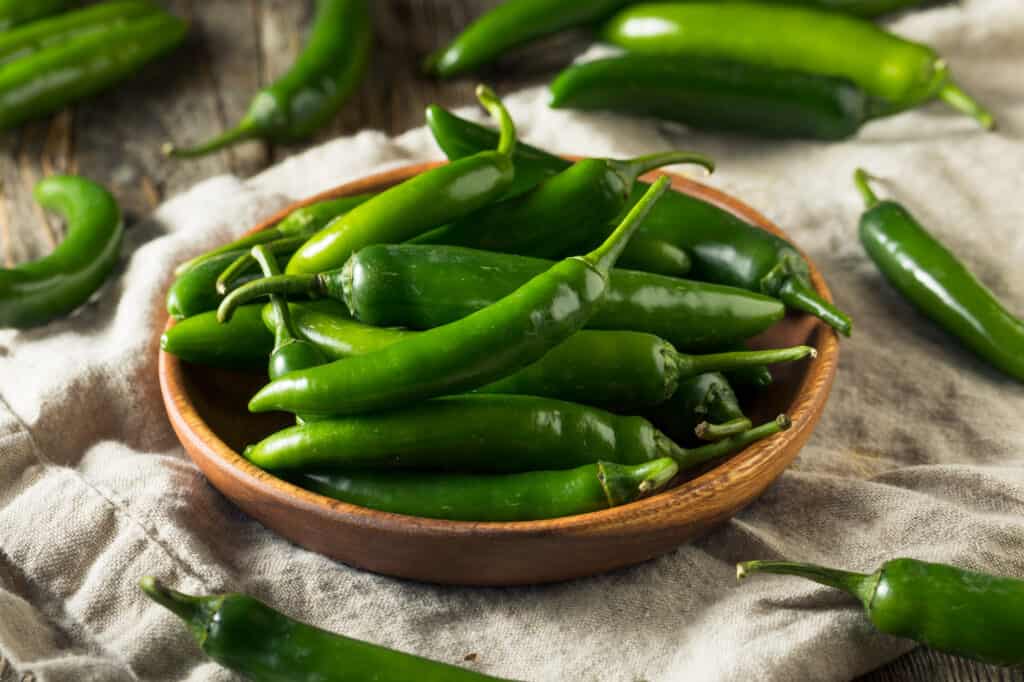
(766, 456)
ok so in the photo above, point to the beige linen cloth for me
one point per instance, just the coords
(920, 452)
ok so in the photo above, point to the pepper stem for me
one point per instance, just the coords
(954, 96)
(284, 329)
(862, 181)
(860, 585)
(240, 265)
(624, 483)
(634, 168)
(195, 611)
(689, 458)
(287, 285)
(245, 130)
(692, 365)
(506, 126)
(603, 257)
(714, 432)
(261, 237)
(796, 295)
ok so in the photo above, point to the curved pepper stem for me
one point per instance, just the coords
(197, 612)
(506, 126)
(860, 585)
(953, 95)
(631, 169)
(624, 483)
(284, 330)
(246, 130)
(689, 458)
(241, 265)
(603, 257)
(796, 295)
(862, 181)
(715, 432)
(692, 365)
(286, 285)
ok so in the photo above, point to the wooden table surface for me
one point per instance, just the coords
(235, 47)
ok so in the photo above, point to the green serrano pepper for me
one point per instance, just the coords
(947, 608)
(36, 292)
(241, 343)
(49, 79)
(527, 496)
(15, 12)
(39, 35)
(617, 370)
(330, 67)
(484, 434)
(904, 73)
(595, 192)
(719, 95)
(251, 638)
(492, 343)
(938, 284)
(429, 200)
(723, 248)
(705, 406)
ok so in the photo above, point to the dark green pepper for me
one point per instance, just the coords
(484, 434)
(34, 293)
(504, 497)
(592, 193)
(295, 106)
(617, 370)
(903, 73)
(947, 608)
(719, 95)
(251, 638)
(704, 406)
(938, 284)
(242, 343)
(51, 78)
(429, 200)
(722, 247)
(15, 12)
(472, 352)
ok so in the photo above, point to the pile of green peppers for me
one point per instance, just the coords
(462, 345)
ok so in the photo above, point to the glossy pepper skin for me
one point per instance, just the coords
(326, 73)
(15, 12)
(593, 193)
(484, 434)
(901, 72)
(474, 351)
(722, 247)
(40, 34)
(704, 406)
(48, 80)
(36, 292)
(938, 284)
(718, 95)
(429, 200)
(861, 8)
(243, 343)
(423, 287)
(510, 24)
(527, 496)
(617, 370)
(949, 609)
(252, 639)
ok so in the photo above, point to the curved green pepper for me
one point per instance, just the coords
(49, 79)
(241, 343)
(722, 247)
(950, 609)
(903, 73)
(295, 106)
(429, 200)
(484, 434)
(488, 345)
(504, 497)
(719, 95)
(251, 638)
(15, 12)
(938, 284)
(34, 293)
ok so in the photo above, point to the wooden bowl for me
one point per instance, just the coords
(207, 409)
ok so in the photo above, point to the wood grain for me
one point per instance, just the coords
(235, 45)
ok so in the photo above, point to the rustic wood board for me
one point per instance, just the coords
(234, 47)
